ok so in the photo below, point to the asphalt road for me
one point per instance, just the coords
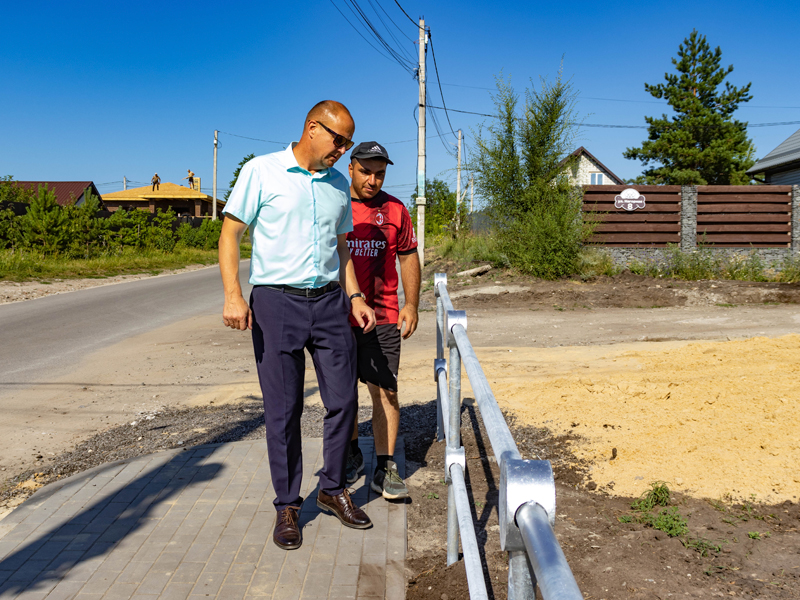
(41, 339)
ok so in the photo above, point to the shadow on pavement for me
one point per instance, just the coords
(98, 528)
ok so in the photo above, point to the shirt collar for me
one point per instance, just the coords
(290, 162)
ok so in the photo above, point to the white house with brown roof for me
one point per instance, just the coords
(587, 170)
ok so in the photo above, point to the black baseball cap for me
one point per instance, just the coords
(370, 150)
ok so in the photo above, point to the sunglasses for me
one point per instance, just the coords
(338, 139)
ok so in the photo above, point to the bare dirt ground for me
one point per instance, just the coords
(700, 393)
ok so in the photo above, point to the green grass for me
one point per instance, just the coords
(668, 520)
(28, 266)
(706, 263)
(472, 248)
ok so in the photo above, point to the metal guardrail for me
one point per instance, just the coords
(527, 506)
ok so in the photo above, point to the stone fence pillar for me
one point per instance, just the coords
(796, 219)
(689, 218)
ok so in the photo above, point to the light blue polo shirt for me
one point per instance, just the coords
(294, 218)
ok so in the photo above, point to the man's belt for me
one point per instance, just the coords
(307, 292)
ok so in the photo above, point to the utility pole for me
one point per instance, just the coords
(471, 194)
(421, 147)
(214, 208)
(458, 179)
(124, 182)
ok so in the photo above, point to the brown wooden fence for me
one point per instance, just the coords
(744, 215)
(656, 225)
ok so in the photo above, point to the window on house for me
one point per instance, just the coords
(597, 179)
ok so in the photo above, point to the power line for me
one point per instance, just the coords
(466, 112)
(619, 126)
(360, 14)
(255, 139)
(361, 35)
(439, 81)
(406, 14)
(392, 20)
(474, 87)
(407, 54)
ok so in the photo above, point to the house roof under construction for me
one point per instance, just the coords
(166, 191)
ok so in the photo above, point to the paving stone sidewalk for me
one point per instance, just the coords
(197, 523)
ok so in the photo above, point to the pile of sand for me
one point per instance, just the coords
(711, 418)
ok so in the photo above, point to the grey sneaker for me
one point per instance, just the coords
(388, 483)
(355, 464)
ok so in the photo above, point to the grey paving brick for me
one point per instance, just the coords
(176, 591)
(286, 592)
(121, 591)
(84, 569)
(345, 575)
(249, 554)
(188, 572)
(232, 591)
(343, 592)
(371, 585)
(99, 583)
(395, 583)
(263, 583)
(220, 561)
(293, 573)
(29, 570)
(168, 562)
(135, 572)
(199, 552)
(66, 590)
(153, 583)
(208, 584)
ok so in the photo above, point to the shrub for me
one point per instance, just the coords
(44, 227)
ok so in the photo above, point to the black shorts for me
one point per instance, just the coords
(379, 355)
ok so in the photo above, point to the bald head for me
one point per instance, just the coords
(326, 123)
(329, 110)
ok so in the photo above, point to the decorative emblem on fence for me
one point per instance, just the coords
(629, 200)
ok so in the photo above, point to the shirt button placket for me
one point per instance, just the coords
(316, 231)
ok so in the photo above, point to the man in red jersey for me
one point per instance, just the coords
(382, 233)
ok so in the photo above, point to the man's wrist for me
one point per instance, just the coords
(358, 296)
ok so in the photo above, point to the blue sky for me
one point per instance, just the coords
(99, 90)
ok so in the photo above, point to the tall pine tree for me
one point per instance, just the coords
(701, 144)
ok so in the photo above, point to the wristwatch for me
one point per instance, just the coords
(359, 295)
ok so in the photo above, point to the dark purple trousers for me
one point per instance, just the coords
(283, 325)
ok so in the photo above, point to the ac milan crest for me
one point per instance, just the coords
(379, 219)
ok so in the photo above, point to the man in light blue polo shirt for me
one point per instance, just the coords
(304, 287)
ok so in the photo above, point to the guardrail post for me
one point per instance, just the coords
(454, 317)
(437, 279)
(521, 580)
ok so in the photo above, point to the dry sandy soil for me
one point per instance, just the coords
(700, 393)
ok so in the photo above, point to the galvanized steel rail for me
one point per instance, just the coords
(527, 489)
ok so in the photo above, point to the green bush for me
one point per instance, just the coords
(76, 232)
(546, 241)
(593, 262)
(44, 227)
(473, 248)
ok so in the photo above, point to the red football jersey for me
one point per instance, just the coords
(382, 229)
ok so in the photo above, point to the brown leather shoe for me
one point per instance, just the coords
(287, 532)
(343, 508)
